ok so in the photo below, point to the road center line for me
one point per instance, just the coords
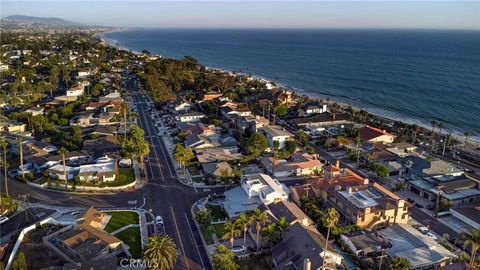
(179, 238)
(193, 236)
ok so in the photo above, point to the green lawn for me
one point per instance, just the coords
(120, 219)
(131, 237)
(125, 176)
(254, 263)
(217, 212)
(219, 230)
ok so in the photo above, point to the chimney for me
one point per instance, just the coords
(333, 116)
(337, 164)
(307, 264)
(365, 181)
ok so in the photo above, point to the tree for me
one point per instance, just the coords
(290, 146)
(380, 169)
(97, 90)
(472, 239)
(257, 144)
(62, 152)
(281, 110)
(303, 137)
(204, 217)
(244, 222)
(330, 219)
(259, 218)
(77, 135)
(222, 259)
(20, 263)
(182, 155)
(271, 233)
(399, 263)
(161, 250)
(434, 123)
(341, 140)
(20, 145)
(142, 149)
(124, 111)
(3, 145)
(282, 224)
(232, 230)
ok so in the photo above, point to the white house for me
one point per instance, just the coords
(276, 133)
(190, 117)
(254, 190)
(183, 107)
(58, 172)
(103, 172)
(311, 108)
(232, 111)
(75, 91)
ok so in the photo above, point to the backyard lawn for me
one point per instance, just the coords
(120, 219)
(125, 176)
(131, 237)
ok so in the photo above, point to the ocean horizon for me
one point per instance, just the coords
(410, 75)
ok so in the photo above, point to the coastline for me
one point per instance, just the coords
(473, 140)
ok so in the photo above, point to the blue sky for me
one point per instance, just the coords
(257, 14)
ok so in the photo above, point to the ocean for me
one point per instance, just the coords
(411, 75)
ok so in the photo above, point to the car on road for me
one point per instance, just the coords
(423, 229)
(430, 207)
(431, 235)
(418, 205)
(238, 249)
(159, 220)
(3, 219)
(410, 200)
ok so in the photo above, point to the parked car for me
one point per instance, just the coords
(418, 205)
(238, 249)
(159, 220)
(430, 207)
(431, 235)
(423, 229)
(3, 219)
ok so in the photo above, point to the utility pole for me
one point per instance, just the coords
(20, 143)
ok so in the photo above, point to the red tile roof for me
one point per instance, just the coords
(367, 133)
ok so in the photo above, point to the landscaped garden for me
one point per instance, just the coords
(217, 212)
(120, 219)
(130, 236)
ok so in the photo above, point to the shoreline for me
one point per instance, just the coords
(474, 139)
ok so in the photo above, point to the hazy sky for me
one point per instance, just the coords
(257, 14)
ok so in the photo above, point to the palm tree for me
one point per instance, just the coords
(399, 263)
(271, 233)
(63, 151)
(124, 110)
(466, 134)
(143, 149)
(434, 123)
(20, 144)
(3, 145)
(161, 249)
(232, 230)
(282, 224)
(472, 239)
(330, 219)
(259, 218)
(244, 222)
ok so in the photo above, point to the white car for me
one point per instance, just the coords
(3, 219)
(159, 220)
(423, 229)
(431, 235)
(238, 249)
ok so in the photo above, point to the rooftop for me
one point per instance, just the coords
(276, 131)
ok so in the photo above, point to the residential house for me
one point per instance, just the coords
(362, 243)
(303, 247)
(12, 126)
(190, 117)
(372, 135)
(209, 155)
(103, 172)
(468, 214)
(183, 106)
(288, 210)
(210, 96)
(299, 164)
(217, 170)
(305, 191)
(34, 111)
(58, 172)
(420, 250)
(233, 111)
(365, 204)
(284, 97)
(112, 96)
(276, 133)
(320, 120)
(250, 123)
(311, 108)
(254, 190)
(75, 91)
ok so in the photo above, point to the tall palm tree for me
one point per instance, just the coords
(63, 151)
(3, 145)
(434, 123)
(466, 134)
(260, 218)
(282, 224)
(330, 219)
(124, 110)
(161, 249)
(232, 230)
(271, 233)
(472, 239)
(20, 145)
(143, 149)
(244, 222)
